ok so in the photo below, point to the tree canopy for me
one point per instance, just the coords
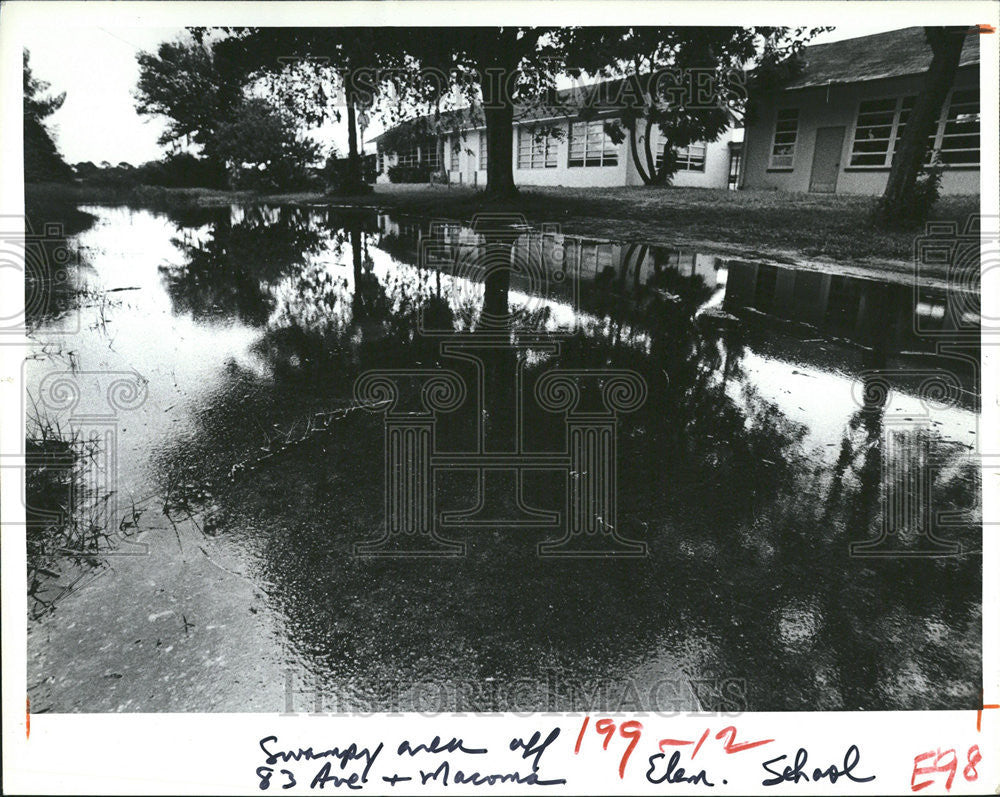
(687, 82)
(508, 69)
(206, 94)
(42, 160)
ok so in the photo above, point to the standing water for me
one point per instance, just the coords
(206, 374)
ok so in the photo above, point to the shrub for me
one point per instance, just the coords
(926, 192)
(914, 208)
(420, 173)
(336, 171)
(286, 174)
(181, 170)
(112, 177)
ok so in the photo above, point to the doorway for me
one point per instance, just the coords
(826, 160)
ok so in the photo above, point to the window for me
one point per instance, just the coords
(881, 124)
(426, 154)
(878, 122)
(690, 158)
(410, 157)
(432, 153)
(483, 150)
(786, 129)
(453, 161)
(380, 162)
(536, 149)
(958, 141)
(735, 165)
(590, 145)
(656, 140)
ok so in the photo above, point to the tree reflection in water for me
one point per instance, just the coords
(229, 271)
(748, 517)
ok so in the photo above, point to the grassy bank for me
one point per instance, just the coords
(54, 197)
(804, 225)
(801, 226)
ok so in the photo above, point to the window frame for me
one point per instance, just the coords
(890, 141)
(684, 165)
(946, 118)
(409, 156)
(484, 151)
(435, 155)
(606, 160)
(938, 136)
(772, 164)
(543, 149)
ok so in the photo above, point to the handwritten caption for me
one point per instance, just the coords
(635, 753)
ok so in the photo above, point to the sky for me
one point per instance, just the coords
(96, 67)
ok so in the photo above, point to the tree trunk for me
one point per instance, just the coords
(895, 207)
(354, 183)
(354, 158)
(500, 149)
(645, 161)
(647, 174)
(356, 251)
(647, 149)
(634, 146)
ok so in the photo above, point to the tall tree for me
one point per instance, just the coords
(42, 160)
(319, 71)
(194, 90)
(262, 147)
(896, 206)
(204, 91)
(493, 69)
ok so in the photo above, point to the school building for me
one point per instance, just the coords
(552, 146)
(834, 127)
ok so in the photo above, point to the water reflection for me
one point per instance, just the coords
(747, 471)
(229, 267)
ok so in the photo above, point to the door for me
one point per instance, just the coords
(826, 160)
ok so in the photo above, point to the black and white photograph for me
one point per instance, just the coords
(464, 368)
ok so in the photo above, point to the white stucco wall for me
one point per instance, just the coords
(562, 174)
(468, 172)
(830, 107)
(715, 175)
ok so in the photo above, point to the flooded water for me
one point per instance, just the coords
(778, 416)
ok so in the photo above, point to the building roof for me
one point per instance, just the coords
(894, 53)
(602, 98)
(882, 55)
(427, 124)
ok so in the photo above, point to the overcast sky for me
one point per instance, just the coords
(97, 69)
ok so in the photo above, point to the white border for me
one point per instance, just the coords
(118, 754)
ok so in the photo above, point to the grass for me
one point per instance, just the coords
(49, 200)
(55, 527)
(766, 223)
